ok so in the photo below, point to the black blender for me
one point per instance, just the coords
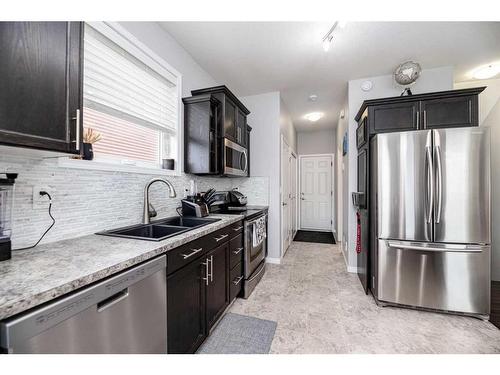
(6, 202)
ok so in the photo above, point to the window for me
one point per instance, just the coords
(130, 97)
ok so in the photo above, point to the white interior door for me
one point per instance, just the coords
(316, 192)
(293, 196)
(285, 196)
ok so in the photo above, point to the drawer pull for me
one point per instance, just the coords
(237, 251)
(193, 252)
(221, 237)
(237, 229)
(237, 280)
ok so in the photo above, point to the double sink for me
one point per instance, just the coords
(160, 229)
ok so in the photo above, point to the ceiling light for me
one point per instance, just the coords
(314, 116)
(342, 24)
(313, 97)
(486, 71)
(327, 39)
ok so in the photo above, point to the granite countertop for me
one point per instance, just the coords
(36, 276)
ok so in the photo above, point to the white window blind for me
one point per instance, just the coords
(133, 106)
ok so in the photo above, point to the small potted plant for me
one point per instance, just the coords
(90, 136)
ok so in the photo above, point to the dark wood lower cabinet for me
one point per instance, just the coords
(217, 288)
(495, 303)
(198, 291)
(186, 323)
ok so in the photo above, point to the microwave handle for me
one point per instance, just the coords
(243, 161)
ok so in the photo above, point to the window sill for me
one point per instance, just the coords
(97, 165)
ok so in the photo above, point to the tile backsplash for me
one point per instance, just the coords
(87, 201)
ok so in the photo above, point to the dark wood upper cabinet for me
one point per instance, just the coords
(230, 114)
(393, 117)
(234, 113)
(210, 115)
(444, 109)
(186, 324)
(201, 135)
(450, 112)
(241, 128)
(41, 75)
(217, 288)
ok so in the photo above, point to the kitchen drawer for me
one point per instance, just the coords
(217, 238)
(185, 254)
(235, 281)
(236, 250)
(236, 228)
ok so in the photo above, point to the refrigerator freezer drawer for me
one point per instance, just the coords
(435, 276)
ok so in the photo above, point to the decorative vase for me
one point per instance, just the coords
(88, 152)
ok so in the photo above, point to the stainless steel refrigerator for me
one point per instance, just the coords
(431, 195)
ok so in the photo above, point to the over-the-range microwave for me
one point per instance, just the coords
(235, 159)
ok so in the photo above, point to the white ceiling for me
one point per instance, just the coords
(257, 57)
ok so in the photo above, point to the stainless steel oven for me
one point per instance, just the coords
(235, 159)
(254, 257)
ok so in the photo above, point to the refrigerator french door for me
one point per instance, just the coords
(432, 194)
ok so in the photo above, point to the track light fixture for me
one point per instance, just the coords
(327, 39)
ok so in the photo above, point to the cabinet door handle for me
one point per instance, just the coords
(77, 125)
(206, 271)
(237, 229)
(237, 280)
(237, 251)
(221, 237)
(193, 252)
(418, 119)
(212, 268)
(470, 111)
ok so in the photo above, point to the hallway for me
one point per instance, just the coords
(320, 308)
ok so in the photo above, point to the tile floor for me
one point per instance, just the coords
(321, 308)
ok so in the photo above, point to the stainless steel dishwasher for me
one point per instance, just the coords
(126, 313)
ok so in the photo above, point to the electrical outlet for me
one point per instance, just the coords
(40, 200)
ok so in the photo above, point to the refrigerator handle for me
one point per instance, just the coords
(430, 181)
(439, 184)
(450, 248)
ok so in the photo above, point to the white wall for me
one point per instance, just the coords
(489, 116)
(286, 127)
(316, 142)
(342, 175)
(264, 119)
(438, 79)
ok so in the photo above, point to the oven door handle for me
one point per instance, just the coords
(250, 224)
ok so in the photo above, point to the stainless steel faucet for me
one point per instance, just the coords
(145, 218)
